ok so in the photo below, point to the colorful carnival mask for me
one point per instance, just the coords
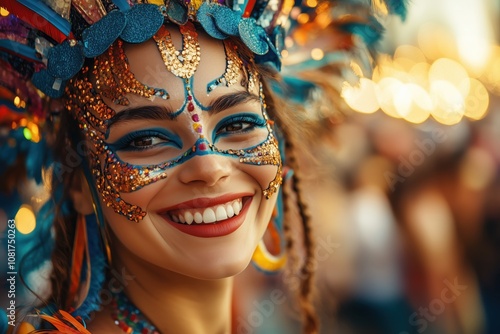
(116, 172)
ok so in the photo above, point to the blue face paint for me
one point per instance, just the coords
(130, 140)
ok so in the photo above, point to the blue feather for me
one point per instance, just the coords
(398, 7)
(370, 32)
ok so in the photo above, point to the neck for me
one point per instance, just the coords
(172, 302)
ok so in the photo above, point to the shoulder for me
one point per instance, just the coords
(102, 323)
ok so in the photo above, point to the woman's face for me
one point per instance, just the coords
(206, 210)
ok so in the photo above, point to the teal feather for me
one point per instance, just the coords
(370, 32)
(398, 7)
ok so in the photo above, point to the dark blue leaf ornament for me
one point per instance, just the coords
(98, 37)
(52, 87)
(176, 12)
(254, 36)
(65, 60)
(143, 21)
(227, 20)
(272, 58)
(205, 16)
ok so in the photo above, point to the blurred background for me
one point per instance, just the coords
(403, 183)
(406, 198)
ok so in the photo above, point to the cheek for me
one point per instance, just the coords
(263, 174)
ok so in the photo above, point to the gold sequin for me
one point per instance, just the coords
(185, 63)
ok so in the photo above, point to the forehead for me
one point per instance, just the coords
(148, 67)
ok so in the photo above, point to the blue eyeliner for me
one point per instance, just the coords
(250, 118)
(123, 144)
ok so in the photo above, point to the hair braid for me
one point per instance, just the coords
(308, 268)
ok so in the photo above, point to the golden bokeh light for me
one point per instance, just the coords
(312, 3)
(3, 12)
(447, 76)
(303, 18)
(25, 219)
(419, 74)
(478, 100)
(413, 103)
(317, 54)
(385, 91)
(451, 72)
(362, 97)
(449, 104)
(35, 132)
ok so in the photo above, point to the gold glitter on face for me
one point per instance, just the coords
(181, 64)
(111, 78)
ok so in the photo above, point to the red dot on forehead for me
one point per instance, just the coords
(202, 146)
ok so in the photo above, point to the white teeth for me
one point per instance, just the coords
(189, 217)
(209, 216)
(198, 218)
(229, 210)
(220, 213)
(236, 207)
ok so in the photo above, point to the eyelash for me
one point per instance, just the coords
(125, 143)
(252, 120)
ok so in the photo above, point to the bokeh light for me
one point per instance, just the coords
(361, 97)
(25, 219)
(410, 86)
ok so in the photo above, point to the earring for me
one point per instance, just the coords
(262, 258)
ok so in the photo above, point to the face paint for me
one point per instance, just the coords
(112, 79)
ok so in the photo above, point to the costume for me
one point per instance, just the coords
(76, 49)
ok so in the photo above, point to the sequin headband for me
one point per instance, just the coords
(67, 32)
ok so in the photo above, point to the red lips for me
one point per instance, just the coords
(210, 230)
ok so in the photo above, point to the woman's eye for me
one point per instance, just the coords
(235, 127)
(145, 142)
(237, 124)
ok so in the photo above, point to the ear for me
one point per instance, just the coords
(81, 196)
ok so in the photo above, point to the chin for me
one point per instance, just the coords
(218, 265)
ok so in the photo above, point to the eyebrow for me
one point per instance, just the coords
(230, 100)
(164, 113)
(158, 113)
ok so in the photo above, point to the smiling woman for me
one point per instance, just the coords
(182, 168)
(197, 128)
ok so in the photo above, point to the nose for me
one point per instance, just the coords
(209, 170)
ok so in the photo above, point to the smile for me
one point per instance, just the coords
(208, 215)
